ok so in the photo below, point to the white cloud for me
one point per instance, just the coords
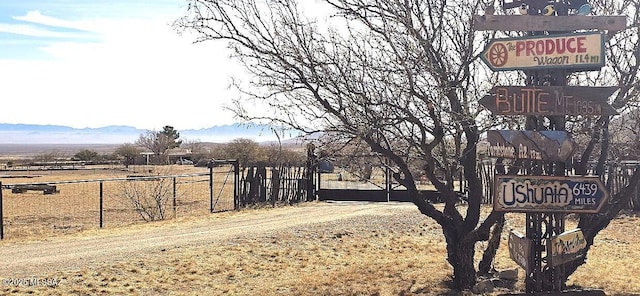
(136, 72)
(28, 30)
(37, 17)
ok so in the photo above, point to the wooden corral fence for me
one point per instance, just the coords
(486, 171)
(618, 177)
(259, 185)
(60, 165)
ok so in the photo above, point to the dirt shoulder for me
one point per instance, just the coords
(23, 259)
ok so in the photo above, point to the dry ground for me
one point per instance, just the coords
(77, 208)
(309, 249)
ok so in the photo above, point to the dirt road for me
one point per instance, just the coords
(22, 259)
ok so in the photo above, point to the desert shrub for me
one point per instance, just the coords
(148, 197)
(86, 155)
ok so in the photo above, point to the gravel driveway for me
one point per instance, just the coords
(22, 259)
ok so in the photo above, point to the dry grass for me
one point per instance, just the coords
(77, 206)
(399, 254)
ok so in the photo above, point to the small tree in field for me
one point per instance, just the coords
(150, 198)
(199, 150)
(129, 152)
(159, 142)
(86, 155)
(246, 151)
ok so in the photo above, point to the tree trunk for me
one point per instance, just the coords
(460, 243)
(486, 264)
(460, 255)
(635, 200)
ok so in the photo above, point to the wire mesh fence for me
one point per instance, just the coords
(59, 202)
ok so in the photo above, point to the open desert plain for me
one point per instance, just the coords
(54, 244)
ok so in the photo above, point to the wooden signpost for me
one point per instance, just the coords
(519, 249)
(534, 145)
(549, 100)
(551, 50)
(567, 246)
(547, 23)
(556, 194)
(584, 51)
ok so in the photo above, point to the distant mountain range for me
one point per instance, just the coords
(120, 134)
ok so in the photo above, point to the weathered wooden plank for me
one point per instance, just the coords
(565, 247)
(519, 249)
(548, 23)
(46, 189)
(535, 145)
(549, 100)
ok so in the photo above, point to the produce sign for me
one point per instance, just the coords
(582, 51)
(549, 194)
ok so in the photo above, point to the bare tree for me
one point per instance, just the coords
(404, 78)
(199, 150)
(276, 155)
(160, 141)
(128, 152)
(246, 151)
(401, 76)
(150, 198)
(625, 130)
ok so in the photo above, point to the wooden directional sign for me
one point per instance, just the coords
(549, 100)
(567, 246)
(549, 194)
(583, 51)
(548, 23)
(536, 145)
(519, 249)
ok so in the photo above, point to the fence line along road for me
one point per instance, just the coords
(75, 205)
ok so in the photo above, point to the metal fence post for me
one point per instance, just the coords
(387, 179)
(1, 216)
(101, 204)
(211, 187)
(236, 184)
(174, 197)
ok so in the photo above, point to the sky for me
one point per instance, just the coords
(96, 63)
